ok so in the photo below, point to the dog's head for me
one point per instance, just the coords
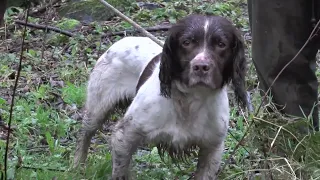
(204, 51)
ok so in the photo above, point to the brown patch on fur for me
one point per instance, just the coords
(224, 57)
(147, 71)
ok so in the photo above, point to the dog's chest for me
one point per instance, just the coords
(187, 121)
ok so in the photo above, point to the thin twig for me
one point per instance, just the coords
(14, 93)
(146, 33)
(149, 29)
(234, 137)
(274, 139)
(45, 28)
(41, 168)
(273, 124)
(265, 95)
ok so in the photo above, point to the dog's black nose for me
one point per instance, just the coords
(201, 67)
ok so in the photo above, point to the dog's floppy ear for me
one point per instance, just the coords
(169, 65)
(239, 70)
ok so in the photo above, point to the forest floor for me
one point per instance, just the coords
(49, 104)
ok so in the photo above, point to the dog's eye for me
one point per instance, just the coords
(186, 42)
(221, 44)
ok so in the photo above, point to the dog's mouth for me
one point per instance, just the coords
(202, 82)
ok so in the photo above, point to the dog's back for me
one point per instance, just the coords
(117, 72)
(113, 79)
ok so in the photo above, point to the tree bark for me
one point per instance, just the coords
(3, 6)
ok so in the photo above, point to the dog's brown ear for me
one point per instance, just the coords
(165, 70)
(239, 70)
(170, 66)
(167, 67)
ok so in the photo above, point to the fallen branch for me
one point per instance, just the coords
(146, 33)
(45, 28)
(70, 34)
(43, 8)
(149, 29)
(41, 168)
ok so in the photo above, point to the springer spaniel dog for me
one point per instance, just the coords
(177, 94)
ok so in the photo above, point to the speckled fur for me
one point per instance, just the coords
(170, 109)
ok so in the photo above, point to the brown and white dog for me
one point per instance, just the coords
(178, 92)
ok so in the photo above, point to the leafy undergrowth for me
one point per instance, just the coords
(50, 104)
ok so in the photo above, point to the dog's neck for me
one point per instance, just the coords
(181, 90)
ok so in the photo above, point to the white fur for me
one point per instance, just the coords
(196, 115)
(117, 71)
(206, 29)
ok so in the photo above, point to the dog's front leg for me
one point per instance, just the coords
(209, 161)
(124, 142)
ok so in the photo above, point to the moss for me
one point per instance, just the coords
(91, 10)
(68, 24)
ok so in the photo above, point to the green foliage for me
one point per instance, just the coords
(172, 12)
(229, 9)
(72, 94)
(51, 95)
(68, 24)
(10, 12)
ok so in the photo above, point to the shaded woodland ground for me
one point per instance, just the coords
(49, 105)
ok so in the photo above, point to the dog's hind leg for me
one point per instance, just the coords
(105, 91)
(87, 131)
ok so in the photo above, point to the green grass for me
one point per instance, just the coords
(51, 95)
(73, 94)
